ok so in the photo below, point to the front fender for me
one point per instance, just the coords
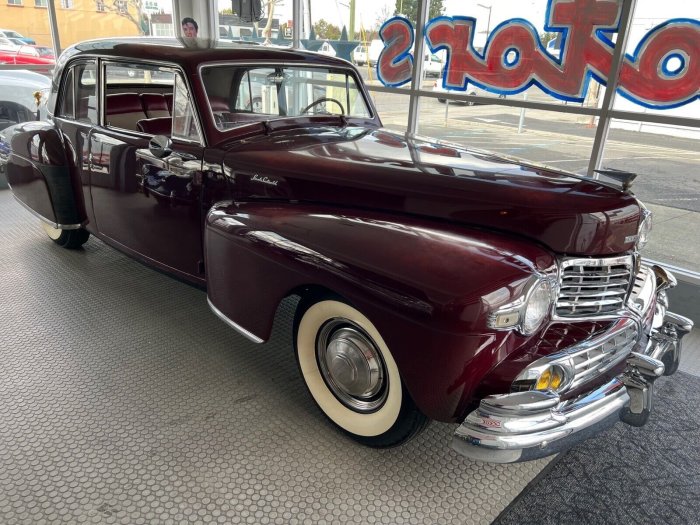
(428, 287)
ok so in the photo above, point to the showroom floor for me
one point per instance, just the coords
(123, 399)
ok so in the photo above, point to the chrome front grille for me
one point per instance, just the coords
(591, 360)
(593, 287)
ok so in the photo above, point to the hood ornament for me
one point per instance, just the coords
(625, 178)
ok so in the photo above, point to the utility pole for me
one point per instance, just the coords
(351, 36)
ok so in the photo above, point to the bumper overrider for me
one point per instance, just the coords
(523, 426)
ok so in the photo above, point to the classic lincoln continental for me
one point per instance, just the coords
(435, 281)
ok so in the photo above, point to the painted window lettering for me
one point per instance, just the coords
(662, 72)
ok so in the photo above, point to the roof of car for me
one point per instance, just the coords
(190, 52)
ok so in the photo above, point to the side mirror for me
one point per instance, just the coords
(160, 146)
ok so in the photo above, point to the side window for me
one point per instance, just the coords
(184, 120)
(244, 99)
(137, 96)
(68, 98)
(86, 107)
(79, 98)
(256, 94)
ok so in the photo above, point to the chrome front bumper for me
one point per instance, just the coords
(523, 426)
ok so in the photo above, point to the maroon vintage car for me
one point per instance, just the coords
(436, 282)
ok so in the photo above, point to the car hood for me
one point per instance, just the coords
(355, 167)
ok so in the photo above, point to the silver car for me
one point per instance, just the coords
(471, 90)
(19, 104)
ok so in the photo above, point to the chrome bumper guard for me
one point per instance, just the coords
(523, 426)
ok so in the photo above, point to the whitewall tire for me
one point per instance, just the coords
(70, 239)
(352, 375)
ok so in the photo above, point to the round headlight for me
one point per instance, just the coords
(537, 306)
(644, 229)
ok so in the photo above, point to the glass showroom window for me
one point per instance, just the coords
(351, 32)
(493, 94)
(664, 154)
(254, 24)
(89, 19)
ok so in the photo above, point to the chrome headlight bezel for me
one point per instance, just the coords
(539, 293)
(645, 227)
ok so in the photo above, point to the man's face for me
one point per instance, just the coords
(189, 30)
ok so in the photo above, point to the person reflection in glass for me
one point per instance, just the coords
(189, 27)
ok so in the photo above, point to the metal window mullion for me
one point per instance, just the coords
(670, 120)
(418, 52)
(601, 135)
(53, 25)
(296, 20)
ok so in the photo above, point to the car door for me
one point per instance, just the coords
(147, 203)
(75, 117)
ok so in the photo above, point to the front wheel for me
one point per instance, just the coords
(70, 239)
(352, 375)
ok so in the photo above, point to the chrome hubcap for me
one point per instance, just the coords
(351, 365)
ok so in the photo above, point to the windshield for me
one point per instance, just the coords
(241, 94)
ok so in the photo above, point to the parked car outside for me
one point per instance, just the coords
(37, 51)
(359, 55)
(17, 96)
(435, 281)
(9, 44)
(432, 65)
(30, 55)
(471, 90)
(19, 104)
(9, 33)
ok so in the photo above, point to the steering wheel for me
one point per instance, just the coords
(320, 101)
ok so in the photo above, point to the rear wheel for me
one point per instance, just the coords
(70, 239)
(352, 375)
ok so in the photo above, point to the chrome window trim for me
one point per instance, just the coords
(104, 61)
(249, 335)
(61, 91)
(193, 107)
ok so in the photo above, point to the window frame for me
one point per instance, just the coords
(247, 64)
(60, 98)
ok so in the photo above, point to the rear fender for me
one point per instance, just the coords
(40, 176)
(427, 287)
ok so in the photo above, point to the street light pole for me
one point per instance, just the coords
(351, 36)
